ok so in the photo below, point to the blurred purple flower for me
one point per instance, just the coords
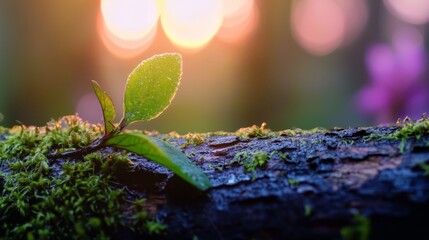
(396, 72)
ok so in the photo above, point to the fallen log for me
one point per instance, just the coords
(356, 183)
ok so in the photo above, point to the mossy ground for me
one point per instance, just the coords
(78, 198)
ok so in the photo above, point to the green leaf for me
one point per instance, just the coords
(164, 154)
(151, 87)
(106, 106)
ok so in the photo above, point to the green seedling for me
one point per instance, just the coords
(149, 91)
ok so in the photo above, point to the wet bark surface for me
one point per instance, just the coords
(312, 187)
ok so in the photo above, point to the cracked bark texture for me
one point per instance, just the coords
(312, 187)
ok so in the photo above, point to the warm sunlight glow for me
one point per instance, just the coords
(124, 48)
(318, 25)
(127, 27)
(239, 20)
(191, 24)
(412, 11)
(129, 19)
(236, 11)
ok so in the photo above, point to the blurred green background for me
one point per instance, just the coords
(301, 63)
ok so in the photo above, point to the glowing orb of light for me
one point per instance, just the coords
(129, 19)
(318, 25)
(127, 27)
(124, 48)
(191, 24)
(412, 11)
(239, 19)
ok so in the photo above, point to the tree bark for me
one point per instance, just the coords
(329, 185)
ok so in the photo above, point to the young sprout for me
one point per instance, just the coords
(149, 91)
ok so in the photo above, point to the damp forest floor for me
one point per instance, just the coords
(354, 183)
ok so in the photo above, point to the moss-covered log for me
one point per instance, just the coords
(358, 183)
(346, 183)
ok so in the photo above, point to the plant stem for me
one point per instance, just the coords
(94, 146)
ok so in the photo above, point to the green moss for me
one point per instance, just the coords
(408, 129)
(412, 128)
(299, 131)
(252, 160)
(78, 200)
(193, 138)
(292, 182)
(247, 132)
(155, 227)
(255, 131)
(359, 230)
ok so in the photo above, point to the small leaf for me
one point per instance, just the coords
(151, 87)
(164, 154)
(106, 106)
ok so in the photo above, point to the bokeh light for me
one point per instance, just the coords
(312, 51)
(412, 11)
(318, 25)
(240, 18)
(127, 27)
(191, 24)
